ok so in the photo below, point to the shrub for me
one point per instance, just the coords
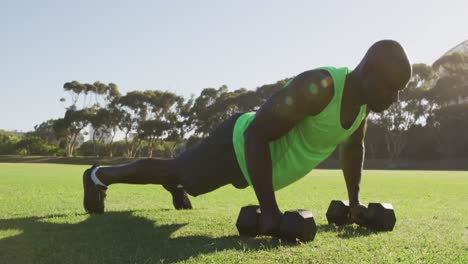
(32, 146)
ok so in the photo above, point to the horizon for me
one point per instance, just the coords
(184, 47)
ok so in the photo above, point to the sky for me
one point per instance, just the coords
(186, 46)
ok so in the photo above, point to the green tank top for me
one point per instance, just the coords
(310, 142)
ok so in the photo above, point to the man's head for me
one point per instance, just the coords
(384, 71)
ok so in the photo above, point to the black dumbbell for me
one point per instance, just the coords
(247, 222)
(380, 216)
(337, 213)
(295, 224)
(298, 225)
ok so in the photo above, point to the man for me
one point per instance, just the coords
(298, 127)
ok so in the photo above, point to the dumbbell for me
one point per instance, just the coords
(380, 216)
(247, 221)
(295, 224)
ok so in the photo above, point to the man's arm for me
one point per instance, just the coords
(281, 112)
(352, 161)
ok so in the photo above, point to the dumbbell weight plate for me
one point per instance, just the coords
(247, 222)
(337, 212)
(382, 215)
(298, 225)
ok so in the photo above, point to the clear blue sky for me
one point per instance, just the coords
(185, 46)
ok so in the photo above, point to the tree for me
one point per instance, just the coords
(111, 114)
(45, 131)
(152, 130)
(375, 146)
(450, 93)
(181, 119)
(417, 90)
(413, 108)
(452, 85)
(161, 117)
(98, 122)
(451, 124)
(452, 64)
(216, 105)
(204, 118)
(112, 118)
(104, 94)
(8, 142)
(69, 127)
(135, 111)
(394, 122)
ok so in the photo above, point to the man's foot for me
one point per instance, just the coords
(94, 194)
(180, 198)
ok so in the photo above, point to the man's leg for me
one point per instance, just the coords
(200, 169)
(144, 171)
(180, 198)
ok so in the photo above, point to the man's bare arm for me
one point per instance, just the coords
(282, 111)
(352, 160)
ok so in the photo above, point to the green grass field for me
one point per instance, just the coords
(42, 221)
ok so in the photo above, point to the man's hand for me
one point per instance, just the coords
(358, 214)
(269, 223)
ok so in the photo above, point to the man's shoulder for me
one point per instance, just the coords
(314, 89)
(316, 74)
(323, 79)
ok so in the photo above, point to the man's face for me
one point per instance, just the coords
(380, 91)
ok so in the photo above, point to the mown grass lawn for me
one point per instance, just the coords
(42, 221)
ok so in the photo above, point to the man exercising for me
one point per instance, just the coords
(293, 131)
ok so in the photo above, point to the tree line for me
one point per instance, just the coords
(429, 122)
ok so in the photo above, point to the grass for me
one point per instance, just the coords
(64, 160)
(42, 221)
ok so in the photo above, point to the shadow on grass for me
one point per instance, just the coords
(114, 237)
(346, 231)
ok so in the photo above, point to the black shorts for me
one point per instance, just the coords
(211, 163)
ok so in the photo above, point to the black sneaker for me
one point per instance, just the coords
(94, 194)
(180, 198)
